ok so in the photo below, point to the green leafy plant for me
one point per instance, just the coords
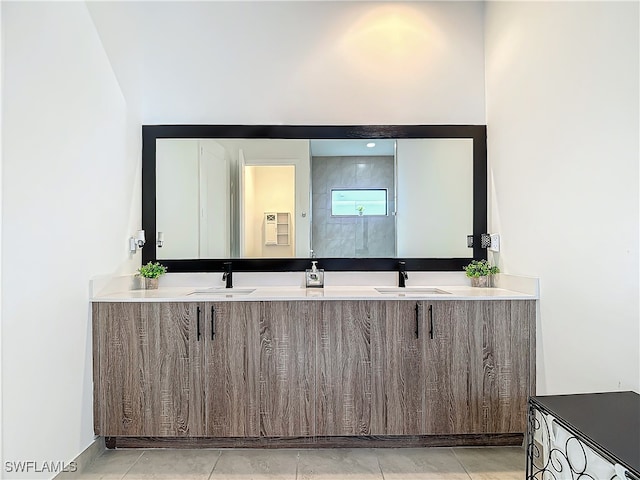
(360, 208)
(152, 270)
(480, 268)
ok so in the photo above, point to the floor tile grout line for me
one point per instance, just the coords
(132, 465)
(459, 456)
(375, 451)
(215, 464)
(464, 467)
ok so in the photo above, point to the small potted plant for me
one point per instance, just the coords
(480, 271)
(360, 209)
(151, 272)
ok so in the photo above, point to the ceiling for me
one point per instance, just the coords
(352, 148)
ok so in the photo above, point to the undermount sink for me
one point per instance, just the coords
(411, 291)
(223, 291)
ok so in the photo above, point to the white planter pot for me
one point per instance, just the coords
(481, 281)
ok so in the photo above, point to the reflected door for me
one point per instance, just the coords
(214, 200)
(193, 197)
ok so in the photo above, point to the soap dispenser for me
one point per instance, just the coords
(314, 276)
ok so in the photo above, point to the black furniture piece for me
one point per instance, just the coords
(584, 436)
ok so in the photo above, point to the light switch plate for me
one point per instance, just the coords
(495, 242)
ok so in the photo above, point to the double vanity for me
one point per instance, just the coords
(435, 362)
(290, 366)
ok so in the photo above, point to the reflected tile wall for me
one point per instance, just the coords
(366, 236)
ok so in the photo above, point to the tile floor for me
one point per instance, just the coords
(486, 463)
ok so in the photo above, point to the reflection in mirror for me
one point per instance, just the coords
(345, 176)
(202, 183)
(435, 197)
(268, 205)
(193, 200)
(361, 201)
(222, 198)
(273, 178)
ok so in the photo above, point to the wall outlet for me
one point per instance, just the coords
(495, 242)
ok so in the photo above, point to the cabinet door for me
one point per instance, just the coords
(287, 368)
(224, 373)
(141, 369)
(478, 366)
(344, 366)
(506, 376)
(452, 368)
(398, 364)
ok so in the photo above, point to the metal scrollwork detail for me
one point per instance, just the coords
(561, 455)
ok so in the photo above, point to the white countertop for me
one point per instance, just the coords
(262, 293)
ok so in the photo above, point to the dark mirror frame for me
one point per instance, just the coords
(152, 132)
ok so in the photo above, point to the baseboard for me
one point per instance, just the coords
(399, 441)
(78, 465)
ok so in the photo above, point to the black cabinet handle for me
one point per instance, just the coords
(430, 321)
(213, 323)
(198, 323)
(417, 320)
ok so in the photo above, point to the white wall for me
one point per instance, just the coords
(299, 62)
(563, 145)
(2, 67)
(70, 198)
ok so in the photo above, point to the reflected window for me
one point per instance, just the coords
(362, 201)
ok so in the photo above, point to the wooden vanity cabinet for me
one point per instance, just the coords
(175, 369)
(452, 367)
(398, 369)
(224, 381)
(141, 369)
(340, 368)
(344, 384)
(287, 368)
(313, 368)
(316, 367)
(479, 366)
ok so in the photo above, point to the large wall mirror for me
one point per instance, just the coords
(353, 197)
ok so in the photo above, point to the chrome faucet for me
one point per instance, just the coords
(228, 274)
(402, 274)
